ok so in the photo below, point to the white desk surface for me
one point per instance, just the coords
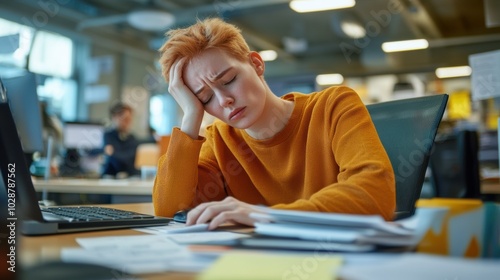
(95, 186)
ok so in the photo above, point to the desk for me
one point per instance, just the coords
(141, 187)
(95, 186)
(36, 249)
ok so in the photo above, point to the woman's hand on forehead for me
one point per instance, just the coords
(187, 100)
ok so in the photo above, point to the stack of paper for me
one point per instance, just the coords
(338, 232)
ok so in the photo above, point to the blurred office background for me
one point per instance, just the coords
(88, 54)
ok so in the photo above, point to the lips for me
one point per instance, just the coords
(236, 113)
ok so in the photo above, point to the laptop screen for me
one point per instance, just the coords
(23, 101)
(15, 173)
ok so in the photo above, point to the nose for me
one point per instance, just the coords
(225, 100)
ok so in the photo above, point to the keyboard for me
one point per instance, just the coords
(92, 213)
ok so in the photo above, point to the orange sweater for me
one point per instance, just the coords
(328, 158)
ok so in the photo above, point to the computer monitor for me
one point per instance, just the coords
(81, 135)
(23, 101)
(488, 149)
(454, 165)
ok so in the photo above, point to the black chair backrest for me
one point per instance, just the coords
(454, 165)
(407, 129)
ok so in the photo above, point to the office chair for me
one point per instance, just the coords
(454, 165)
(407, 128)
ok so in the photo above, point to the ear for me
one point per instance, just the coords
(257, 62)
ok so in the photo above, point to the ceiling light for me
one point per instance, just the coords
(329, 79)
(268, 55)
(306, 6)
(353, 29)
(451, 72)
(409, 45)
(348, 25)
(150, 20)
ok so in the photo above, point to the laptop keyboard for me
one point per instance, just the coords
(93, 213)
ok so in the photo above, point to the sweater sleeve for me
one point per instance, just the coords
(366, 183)
(182, 180)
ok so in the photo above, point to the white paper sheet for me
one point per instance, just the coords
(174, 228)
(136, 254)
(206, 237)
(144, 242)
(151, 253)
(133, 254)
(421, 266)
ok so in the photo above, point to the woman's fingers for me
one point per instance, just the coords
(220, 212)
(187, 100)
(176, 85)
(239, 216)
(195, 213)
(176, 72)
(212, 211)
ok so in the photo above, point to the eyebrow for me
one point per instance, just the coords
(218, 76)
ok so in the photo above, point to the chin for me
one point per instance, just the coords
(242, 124)
(239, 126)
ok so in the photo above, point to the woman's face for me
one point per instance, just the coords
(230, 90)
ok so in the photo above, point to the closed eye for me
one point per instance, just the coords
(227, 83)
(208, 100)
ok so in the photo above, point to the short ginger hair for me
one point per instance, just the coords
(211, 33)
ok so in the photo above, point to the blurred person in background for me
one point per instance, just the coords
(120, 144)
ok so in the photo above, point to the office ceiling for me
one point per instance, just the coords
(306, 43)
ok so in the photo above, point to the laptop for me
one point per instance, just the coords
(22, 204)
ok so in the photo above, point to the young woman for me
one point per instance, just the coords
(314, 152)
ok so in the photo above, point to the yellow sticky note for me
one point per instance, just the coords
(260, 266)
